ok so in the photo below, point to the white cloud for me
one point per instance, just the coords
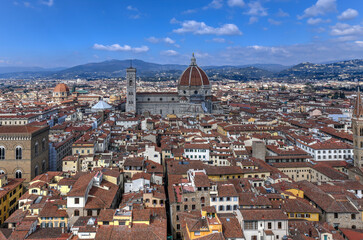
(281, 13)
(219, 40)
(169, 53)
(359, 43)
(256, 9)
(49, 3)
(135, 12)
(189, 11)
(341, 29)
(200, 28)
(253, 20)
(214, 4)
(314, 21)
(319, 30)
(317, 51)
(26, 4)
(348, 14)
(269, 49)
(236, 3)
(274, 22)
(201, 55)
(169, 40)
(153, 40)
(321, 7)
(5, 61)
(131, 8)
(174, 21)
(117, 47)
(158, 40)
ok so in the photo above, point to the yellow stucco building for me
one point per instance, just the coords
(10, 192)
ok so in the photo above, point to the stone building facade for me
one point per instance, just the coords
(349, 219)
(191, 201)
(193, 96)
(24, 151)
(357, 127)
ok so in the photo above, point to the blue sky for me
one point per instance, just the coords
(54, 33)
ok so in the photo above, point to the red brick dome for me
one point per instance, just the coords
(193, 76)
(61, 88)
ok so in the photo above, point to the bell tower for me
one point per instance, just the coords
(131, 89)
(357, 127)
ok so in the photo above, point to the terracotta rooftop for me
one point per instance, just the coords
(19, 129)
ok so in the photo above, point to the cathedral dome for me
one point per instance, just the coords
(193, 76)
(61, 88)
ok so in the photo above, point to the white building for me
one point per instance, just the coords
(330, 150)
(127, 122)
(151, 153)
(139, 182)
(197, 152)
(264, 224)
(225, 198)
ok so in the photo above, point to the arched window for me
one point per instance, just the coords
(18, 174)
(2, 172)
(36, 170)
(2, 153)
(43, 166)
(36, 149)
(18, 153)
(43, 144)
(76, 212)
(195, 92)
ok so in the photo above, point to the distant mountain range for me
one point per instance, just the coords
(349, 69)
(28, 69)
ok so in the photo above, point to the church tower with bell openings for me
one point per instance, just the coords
(131, 90)
(357, 127)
